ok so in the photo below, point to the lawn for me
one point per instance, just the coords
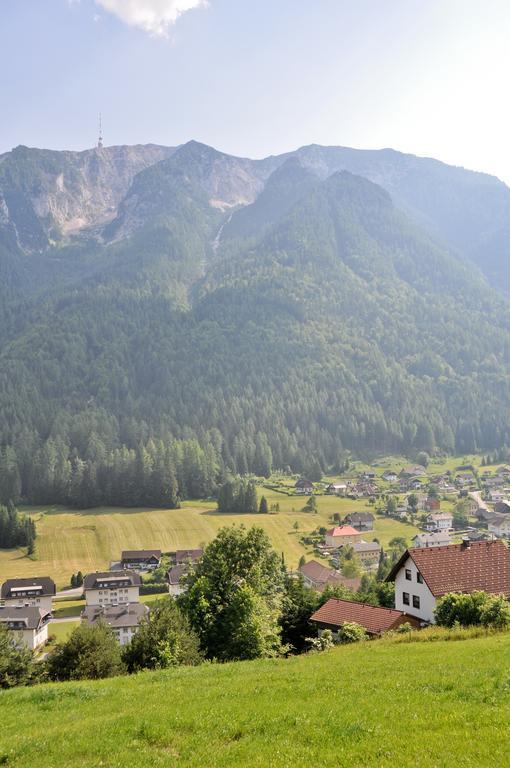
(426, 705)
(73, 540)
(61, 630)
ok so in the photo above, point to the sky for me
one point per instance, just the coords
(260, 77)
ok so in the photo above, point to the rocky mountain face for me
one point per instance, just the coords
(46, 197)
(51, 198)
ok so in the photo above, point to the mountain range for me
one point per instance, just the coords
(276, 312)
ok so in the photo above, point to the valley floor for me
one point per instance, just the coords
(87, 540)
(385, 704)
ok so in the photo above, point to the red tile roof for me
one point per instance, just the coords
(322, 577)
(375, 619)
(343, 530)
(484, 565)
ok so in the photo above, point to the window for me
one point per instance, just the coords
(416, 601)
(408, 574)
(419, 578)
(405, 598)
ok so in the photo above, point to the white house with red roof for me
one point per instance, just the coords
(423, 575)
(340, 535)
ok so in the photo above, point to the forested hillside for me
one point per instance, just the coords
(227, 315)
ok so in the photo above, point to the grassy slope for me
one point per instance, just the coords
(379, 704)
(70, 540)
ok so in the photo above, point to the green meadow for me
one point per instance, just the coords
(383, 703)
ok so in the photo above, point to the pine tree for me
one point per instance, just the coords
(263, 507)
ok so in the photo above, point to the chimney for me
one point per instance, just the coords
(466, 542)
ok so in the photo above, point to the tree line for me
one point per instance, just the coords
(16, 530)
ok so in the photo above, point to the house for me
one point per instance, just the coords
(375, 619)
(423, 575)
(438, 521)
(112, 588)
(496, 496)
(340, 535)
(318, 577)
(440, 539)
(29, 624)
(432, 504)
(368, 552)
(140, 559)
(37, 592)
(502, 507)
(415, 470)
(303, 486)
(174, 577)
(123, 619)
(484, 514)
(187, 556)
(336, 488)
(499, 526)
(390, 476)
(476, 535)
(362, 521)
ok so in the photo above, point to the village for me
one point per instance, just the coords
(462, 517)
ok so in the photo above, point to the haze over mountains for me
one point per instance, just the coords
(276, 311)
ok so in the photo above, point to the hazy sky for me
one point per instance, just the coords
(255, 77)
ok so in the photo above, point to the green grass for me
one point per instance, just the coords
(73, 540)
(382, 704)
(61, 630)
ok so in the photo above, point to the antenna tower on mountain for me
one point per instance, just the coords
(100, 139)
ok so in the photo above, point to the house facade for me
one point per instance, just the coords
(303, 486)
(37, 592)
(28, 623)
(441, 539)
(340, 535)
(423, 575)
(439, 522)
(499, 526)
(175, 578)
(112, 588)
(124, 620)
(368, 552)
(362, 521)
(140, 559)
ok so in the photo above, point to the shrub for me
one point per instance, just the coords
(91, 652)
(350, 632)
(322, 643)
(475, 609)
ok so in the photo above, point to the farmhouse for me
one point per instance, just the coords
(29, 624)
(336, 488)
(189, 556)
(340, 535)
(368, 552)
(123, 619)
(303, 486)
(415, 470)
(37, 592)
(423, 575)
(438, 521)
(112, 588)
(174, 577)
(317, 576)
(376, 620)
(141, 559)
(441, 539)
(502, 507)
(362, 521)
(499, 526)
(390, 476)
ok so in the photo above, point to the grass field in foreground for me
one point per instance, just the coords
(73, 540)
(426, 705)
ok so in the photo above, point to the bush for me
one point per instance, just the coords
(17, 666)
(475, 609)
(153, 589)
(90, 653)
(322, 643)
(350, 632)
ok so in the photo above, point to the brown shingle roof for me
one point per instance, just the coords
(375, 619)
(42, 585)
(140, 554)
(483, 566)
(111, 580)
(322, 577)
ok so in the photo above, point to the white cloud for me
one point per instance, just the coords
(153, 16)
